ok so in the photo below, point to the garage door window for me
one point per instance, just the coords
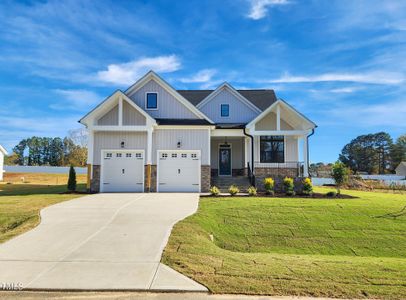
(184, 155)
(109, 155)
(174, 155)
(138, 155)
(128, 155)
(164, 155)
(194, 155)
(118, 154)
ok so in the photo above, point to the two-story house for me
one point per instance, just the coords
(153, 137)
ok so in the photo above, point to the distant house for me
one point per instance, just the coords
(401, 169)
(2, 153)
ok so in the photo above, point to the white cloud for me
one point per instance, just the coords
(204, 75)
(128, 73)
(259, 8)
(373, 78)
(345, 90)
(75, 99)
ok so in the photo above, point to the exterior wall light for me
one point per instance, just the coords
(122, 144)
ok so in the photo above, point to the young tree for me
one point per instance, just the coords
(72, 179)
(340, 173)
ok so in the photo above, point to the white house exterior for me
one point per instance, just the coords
(401, 169)
(155, 138)
(3, 152)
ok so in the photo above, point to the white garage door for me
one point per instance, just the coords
(122, 171)
(178, 171)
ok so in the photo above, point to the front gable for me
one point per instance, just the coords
(240, 109)
(170, 104)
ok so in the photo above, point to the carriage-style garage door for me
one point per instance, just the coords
(122, 171)
(178, 171)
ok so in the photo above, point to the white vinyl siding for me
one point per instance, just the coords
(110, 118)
(131, 116)
(191, 139)
(168, 106)
(112, 140)
(239, 112)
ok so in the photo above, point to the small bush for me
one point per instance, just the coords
(289, 187)
(269, 184)
(340, 173)
(331, 194)
(307, 186)
(72, 179)
(214, 191)
(252, 191)
(233, 190)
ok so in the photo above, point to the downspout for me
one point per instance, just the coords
(307, 152)
(252, 150)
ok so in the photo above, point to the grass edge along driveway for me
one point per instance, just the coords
(295, 246)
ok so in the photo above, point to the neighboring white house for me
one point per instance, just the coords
(153, 137)
(401, 169)
(3, 152)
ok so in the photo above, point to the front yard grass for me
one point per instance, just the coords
(354, 248)
(20, 203)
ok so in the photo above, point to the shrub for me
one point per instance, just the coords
(307, 186)
(214, 191)
(72, 179)
(289, 186)
(252, 191)
(340, 173)
(233, 190)
(269, 184)
(331, 194)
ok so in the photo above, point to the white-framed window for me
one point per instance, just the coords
(151, 101)
(224, 110)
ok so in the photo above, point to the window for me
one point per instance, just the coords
(164, 155)
(272, 149)
(184, 155)
(118, 154)
(193, 155)
(174, 155)
(109, 155)
(128, 155)
(138, 155)
(152, 101)
(225, 110)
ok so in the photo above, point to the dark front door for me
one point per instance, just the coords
(224, 161)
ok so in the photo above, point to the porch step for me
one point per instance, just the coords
(223, 183)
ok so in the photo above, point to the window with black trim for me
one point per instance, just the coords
(152, 101)
(272, 149)
(225, 110)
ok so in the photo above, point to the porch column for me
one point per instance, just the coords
(305, 157)
(90, 150)
(149, 159)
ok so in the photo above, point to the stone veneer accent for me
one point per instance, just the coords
(271, 172)
(205, 176)
(95, 181)
(234, 172)
(153, 178)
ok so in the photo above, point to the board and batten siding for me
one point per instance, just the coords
(168, 106)
(237, 152)
(239, 111)
(269, 123)
(291, 150)
(131, 116)
(112, 140)
(191, 139)
(1, 165)
(110, 118)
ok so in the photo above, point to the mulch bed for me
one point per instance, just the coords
(76, 192)
(277, 195)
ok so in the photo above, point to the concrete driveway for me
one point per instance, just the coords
(100, 242)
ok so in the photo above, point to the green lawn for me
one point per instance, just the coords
(281, 246)
(20, 203)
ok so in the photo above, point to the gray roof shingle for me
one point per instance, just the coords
(260, 98)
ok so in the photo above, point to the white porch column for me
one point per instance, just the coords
(246, 156)
(305, 157)
(90, 145)
(149, 146)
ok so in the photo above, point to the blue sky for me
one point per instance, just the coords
(342, 63)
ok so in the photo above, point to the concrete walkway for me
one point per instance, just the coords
(100, 242)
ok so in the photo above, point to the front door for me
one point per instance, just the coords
(225, 160)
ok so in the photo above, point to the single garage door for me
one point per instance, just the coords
(178, 171)
(122, 171)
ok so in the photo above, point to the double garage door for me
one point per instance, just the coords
(123, 171)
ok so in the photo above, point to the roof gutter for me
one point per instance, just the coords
(307, 152)
(252, 149)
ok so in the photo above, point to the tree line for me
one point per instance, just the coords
(50, 151)
(375, 153)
